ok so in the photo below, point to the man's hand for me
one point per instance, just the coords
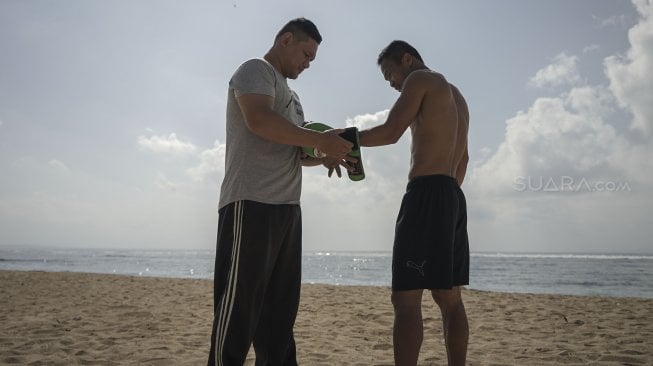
(335, 163)
(333, 145)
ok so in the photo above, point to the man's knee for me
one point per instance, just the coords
(447, 299)
(406, 300)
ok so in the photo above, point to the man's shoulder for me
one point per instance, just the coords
(427, 80)
(257, 61)
(428, 74)
(254, 65)
(253, 74)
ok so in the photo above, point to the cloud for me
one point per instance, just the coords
(564, 70)
(644, 7)
(591, 48)
(367, 120)
(164, 183)
(58, 165)
(561, 136)
(211, 166)
(574, 133)
(566, 175)
(166, 144)
(612, 21)
(630, 75)
(69, 211)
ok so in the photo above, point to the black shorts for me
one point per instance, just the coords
(431, 249)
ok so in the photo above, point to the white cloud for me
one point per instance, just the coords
(166, 144)
(58, 165)
(615, 20)
(591, 48)
(367, 120)
(563, 70)
(644, 7)
(630, 75)
(211, 166)
(562, 136)
(565, 177)
(164, 183)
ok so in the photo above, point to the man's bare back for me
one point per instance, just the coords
(439, 133)
(437, 115)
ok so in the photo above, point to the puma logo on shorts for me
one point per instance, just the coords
(419, 268)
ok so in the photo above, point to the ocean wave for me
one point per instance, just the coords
(24, 260)
(564, 256)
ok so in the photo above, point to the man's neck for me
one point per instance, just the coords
(273, 59)
(419, 67)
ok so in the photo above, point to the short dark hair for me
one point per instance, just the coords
(301, 27)
(396, 50)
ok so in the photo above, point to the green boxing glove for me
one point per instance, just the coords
(351, 135)
(320, 127)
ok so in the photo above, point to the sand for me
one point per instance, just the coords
(95, 319)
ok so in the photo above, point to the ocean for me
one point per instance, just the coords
(615, 275)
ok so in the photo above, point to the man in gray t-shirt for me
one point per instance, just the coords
(258, 256)
(258, 169)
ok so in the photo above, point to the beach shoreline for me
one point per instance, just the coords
(66, 318)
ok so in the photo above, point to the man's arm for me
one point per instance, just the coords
(401, 115)
(263, 121)
(406, 108)
(311, 161)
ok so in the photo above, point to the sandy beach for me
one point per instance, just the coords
(94, 319)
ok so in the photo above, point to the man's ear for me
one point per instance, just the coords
(407, 59)
(285, 39)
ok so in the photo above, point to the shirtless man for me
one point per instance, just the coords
(431, 249)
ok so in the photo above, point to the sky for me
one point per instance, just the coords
(112, 119)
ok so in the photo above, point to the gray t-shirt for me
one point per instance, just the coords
(257, 169)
